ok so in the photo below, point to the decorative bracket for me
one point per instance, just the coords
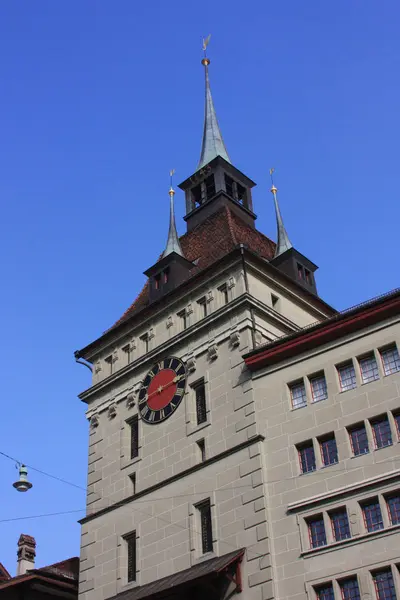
(210, 296)
(189, 309)
(112, 411)
(191, 363)
(94, 421)
(97, 367)
(234, 339)
(212, 351)
(169, 322)
(231, 283)
(131, 399)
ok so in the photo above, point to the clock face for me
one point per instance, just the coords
(162, 390)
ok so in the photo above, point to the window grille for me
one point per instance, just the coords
(372, 515)
(347, 377)
(307, 458)
(298, 394)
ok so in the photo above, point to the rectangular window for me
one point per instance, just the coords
(223, 290)
(241, 194)
(144, 339)
(396, 417)
(229, 185)
(393, 505)
(182, 319)
(384, 585)
(340, 525)
(300, 271)
(390, 360)
(319, 390)
(274, 301)
(368, 368)
(382, 432)
(202, 449)
(131, 554)
(308, 276)
(372, 515)
(298, 394)
(201, 405)
(347, 377)
(349, 589)
(210, 186)
(325, 592)
(307, 457)
(132, 477)
(329, 451)
(203, 306)
(359, 439)
(134, 430)
(109, 361)
(197, 196)
(204, 509)
(316, 531)
(127, 350)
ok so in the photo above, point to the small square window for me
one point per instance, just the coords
(349, 589)
(390, 360)
(384, 584)
(203, 306)
(325, 592)
(329, 451)
(368, 368)
(359, 439)
(372, 515)
(298, 394)
(340, 525)
(347, 376)
(393, 506)
(382, 432)
(316, 531)
(307, 457)
(319, 389)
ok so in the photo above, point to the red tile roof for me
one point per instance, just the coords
(208, 242)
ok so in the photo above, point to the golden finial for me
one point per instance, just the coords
(273, 188)
(206, 61)
(171, 189)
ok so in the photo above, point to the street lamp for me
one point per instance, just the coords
(22, 485)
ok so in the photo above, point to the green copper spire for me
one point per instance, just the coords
(173, 244)
(283, 243)
(213, 144)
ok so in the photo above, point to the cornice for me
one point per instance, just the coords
(221, 456)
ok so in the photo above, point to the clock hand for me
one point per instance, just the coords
(167, 385)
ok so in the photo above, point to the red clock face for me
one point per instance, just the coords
(162, 390)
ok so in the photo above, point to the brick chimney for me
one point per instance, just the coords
(26, 553)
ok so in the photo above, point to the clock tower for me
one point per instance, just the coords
(177, 498)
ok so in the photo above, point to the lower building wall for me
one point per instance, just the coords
(168, 530)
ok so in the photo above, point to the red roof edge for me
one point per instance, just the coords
(4, 574)
(338, 326)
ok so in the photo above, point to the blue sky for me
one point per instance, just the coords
(99, 100)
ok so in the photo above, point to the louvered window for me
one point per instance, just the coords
(201, 406)
(134, 427)
(204, 509)
(131, 551)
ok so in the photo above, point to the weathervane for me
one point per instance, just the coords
(271, 173)
(206, 60)
(171, 189)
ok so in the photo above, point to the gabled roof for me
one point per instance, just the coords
(4, 574)
(211, 240)
(63, 574)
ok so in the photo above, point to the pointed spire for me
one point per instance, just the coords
(213, 144)
(283, 242)
(173, 244)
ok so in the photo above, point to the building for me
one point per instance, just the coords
(211, 399)
(52, 582)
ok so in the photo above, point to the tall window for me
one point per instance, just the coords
(369, 368)
(298, 394)
(204, 509)
(128, 352)
(396, 416)
(223, 290)
(318, 388)
(359, 439)
(340, 525)
(109, 361)
(131, 554)
(372, 515)
(382, 432)
(182, 319)
(349, 588)
(316, 532)
(210, 186)
(384, 585)
(134, 430)
(144, 339)
(203, 306)
(393, 505)
(307, 457)
(202, 449)
(390, 360)
(325, 592)
(201, 405)
(347, 376)
(228, 185)
(329, 451)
